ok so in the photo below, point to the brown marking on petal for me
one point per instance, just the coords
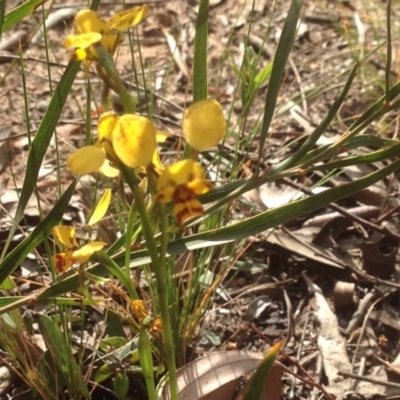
(59, 262)
(187, 213)
(172, 183)
(186, 204)
(160, 197)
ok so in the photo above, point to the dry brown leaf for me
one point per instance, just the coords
(205, 375)
(13, 41)
(331, 344)
(298, 243)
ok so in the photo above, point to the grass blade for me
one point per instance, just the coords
(283, 50)
(319, 130)
(19, 13)
(241, 230)
(200, 90)
(259, 379)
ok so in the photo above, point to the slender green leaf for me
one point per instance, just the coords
(200, 90)
(41, 142)
(283, 50)
(258, 380)
(263, 75)
(19, 13)
(146, 362)
(121, 385)
(252, 226)
(102, 258)
(320, 129)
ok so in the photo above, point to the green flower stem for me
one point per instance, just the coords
(129, 105)
(128, 238)
(118, 85)
(159, 266)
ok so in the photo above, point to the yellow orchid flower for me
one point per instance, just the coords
(89, 28)
(65, 235)
(204, 124)
(181, 183)
(130, 138)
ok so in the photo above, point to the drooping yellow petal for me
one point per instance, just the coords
(65, 235)
(88, 21)
(134, 142)
(86, 160)
(82, 40)
(101, 208)
(84, 253)
(107, 125)
(124, 20)
(204, 124)
(108, 170)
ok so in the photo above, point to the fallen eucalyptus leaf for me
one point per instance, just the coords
(206, 374)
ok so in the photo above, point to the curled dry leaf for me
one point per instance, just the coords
(14, 40)
(345, 294)
(256, 307)
(7, 377)
(273, 196)
(206, 374)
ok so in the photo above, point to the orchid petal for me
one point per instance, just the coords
(83, 254)
(204, 124)
(101, 208)
(124, 20)
(86, 160)
(82, 41)
(134, 142)
(65, 235)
